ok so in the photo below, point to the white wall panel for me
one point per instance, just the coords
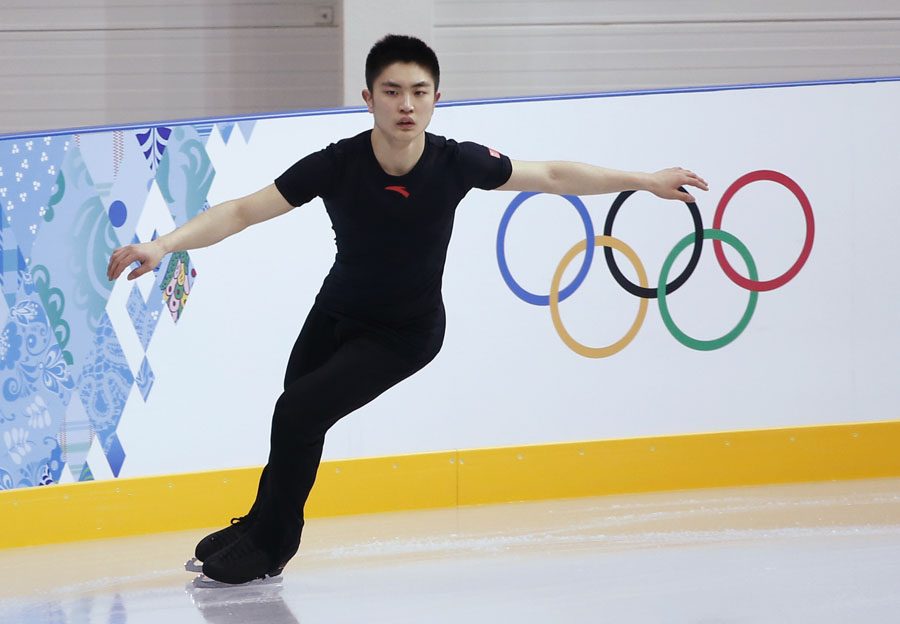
(818, 350)
(365, 22)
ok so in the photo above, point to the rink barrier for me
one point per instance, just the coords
(136, 506)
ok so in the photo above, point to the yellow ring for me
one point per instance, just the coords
(577, 347)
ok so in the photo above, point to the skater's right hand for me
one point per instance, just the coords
(148, 255)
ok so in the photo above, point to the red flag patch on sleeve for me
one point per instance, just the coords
(494, 153)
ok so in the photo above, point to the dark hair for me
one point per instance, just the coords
(401, 49)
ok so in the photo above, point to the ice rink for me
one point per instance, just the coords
(821, 552)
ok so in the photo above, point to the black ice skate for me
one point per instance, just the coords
(247, 560)
(214, 542)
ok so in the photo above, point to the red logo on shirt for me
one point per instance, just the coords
(494, 153)
(398, 189)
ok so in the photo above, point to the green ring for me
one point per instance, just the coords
(680, 336)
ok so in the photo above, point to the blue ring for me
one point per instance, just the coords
(521, 293)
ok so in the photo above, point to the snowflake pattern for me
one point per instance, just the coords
(29, 175)
(57, 399)
(10, 344)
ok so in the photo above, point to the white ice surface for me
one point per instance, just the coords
(752, 557)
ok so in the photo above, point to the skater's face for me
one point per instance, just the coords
(402, 100)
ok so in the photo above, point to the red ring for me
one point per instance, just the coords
(793, 187)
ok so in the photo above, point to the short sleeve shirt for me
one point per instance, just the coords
(391, 232)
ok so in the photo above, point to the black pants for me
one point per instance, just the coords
(336, 366)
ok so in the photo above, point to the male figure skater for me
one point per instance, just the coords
(391, 193)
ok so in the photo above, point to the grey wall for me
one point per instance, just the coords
(66, 64)
(526, 47)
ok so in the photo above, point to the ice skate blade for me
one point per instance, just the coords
(192, 565)
(204, 582)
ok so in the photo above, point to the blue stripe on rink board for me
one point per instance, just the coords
(504, 100)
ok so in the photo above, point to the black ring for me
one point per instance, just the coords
(675, 284)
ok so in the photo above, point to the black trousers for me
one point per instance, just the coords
(337, 365)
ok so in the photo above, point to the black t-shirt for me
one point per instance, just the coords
(391, 232)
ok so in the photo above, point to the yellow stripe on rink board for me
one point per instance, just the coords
(355, 486)
(756, 457)
(61, 513)
(135, 506)
(114, 508)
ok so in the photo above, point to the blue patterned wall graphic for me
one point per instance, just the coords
(66, 202)
(184, 174)
(36, 386)
(153, 144)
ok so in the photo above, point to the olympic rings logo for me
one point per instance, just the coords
(664, 287)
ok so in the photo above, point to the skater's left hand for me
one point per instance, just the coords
(665, 183)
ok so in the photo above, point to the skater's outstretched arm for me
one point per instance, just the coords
(572, 178)
(207, 228)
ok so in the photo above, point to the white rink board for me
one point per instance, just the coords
(820, 349)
